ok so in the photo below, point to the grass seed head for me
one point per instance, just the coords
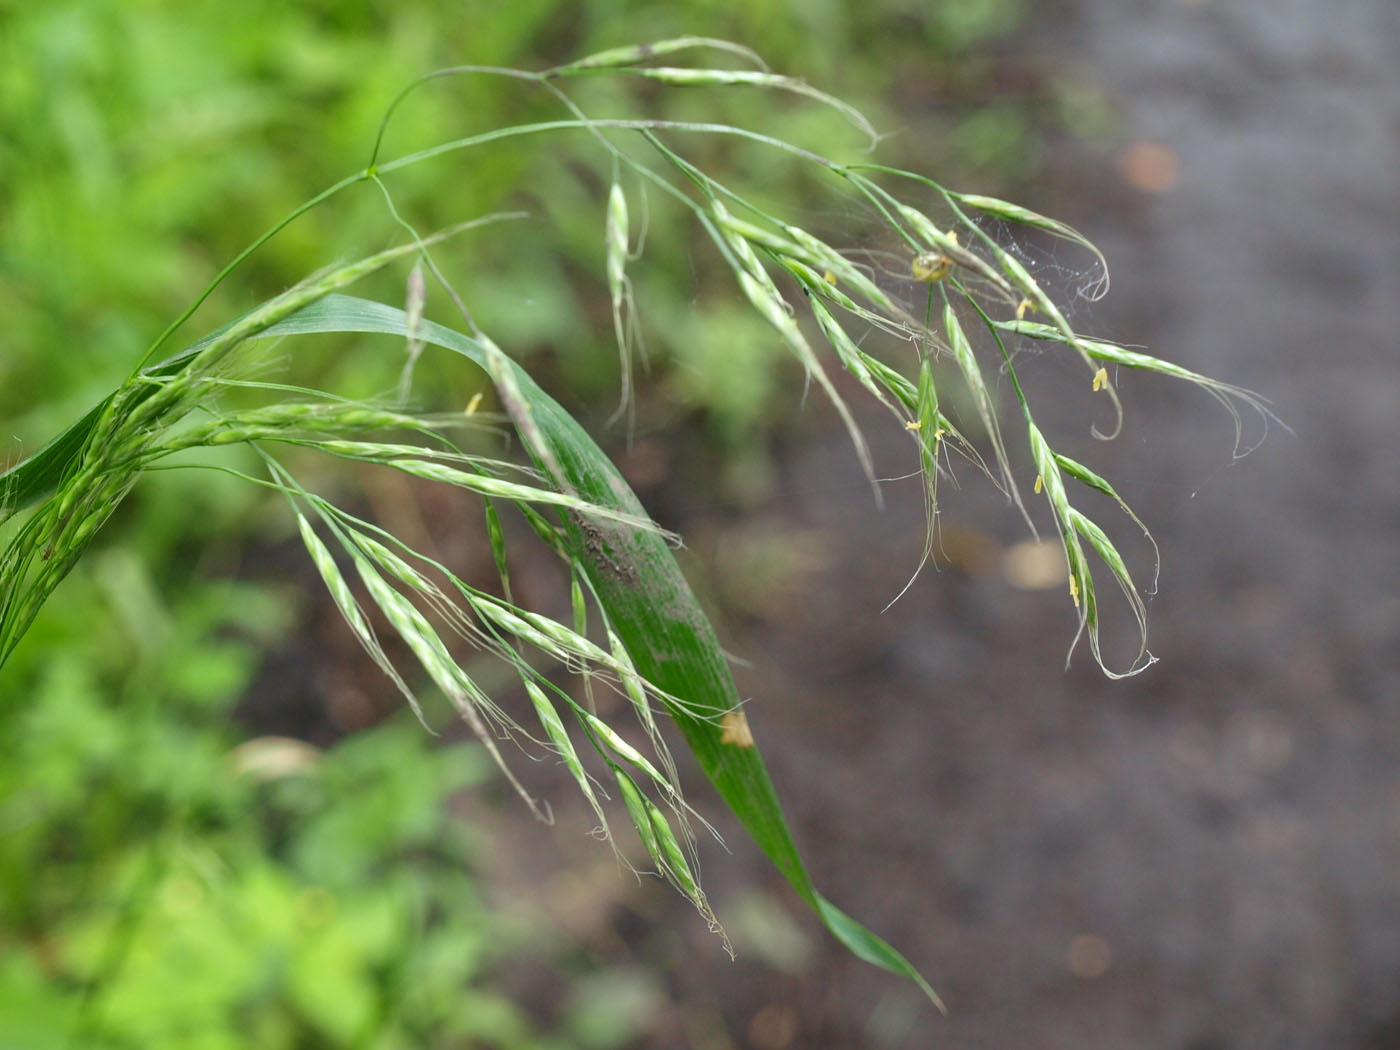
(558, 736)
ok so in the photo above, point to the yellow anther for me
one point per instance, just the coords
(829, 278)
(1039, 483)
(914, 424)
(1100, 379)
(1023, 306)
(1074, 590)
(473, 404)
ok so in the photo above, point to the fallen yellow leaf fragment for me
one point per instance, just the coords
(734, 729)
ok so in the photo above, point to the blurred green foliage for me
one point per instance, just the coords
(161, 887)
(158, 886)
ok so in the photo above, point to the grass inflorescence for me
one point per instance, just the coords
(635, 627)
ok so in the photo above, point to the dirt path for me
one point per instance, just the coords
(1206, 857)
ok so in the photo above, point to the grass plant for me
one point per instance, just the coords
(636, 628)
